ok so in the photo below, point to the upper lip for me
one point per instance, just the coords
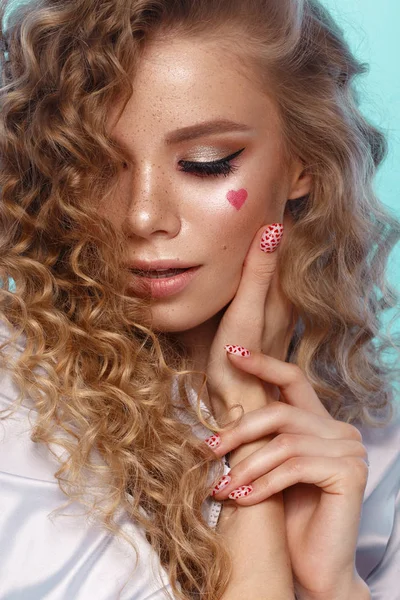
(159, 265)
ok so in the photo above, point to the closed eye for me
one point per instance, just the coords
(215, 168)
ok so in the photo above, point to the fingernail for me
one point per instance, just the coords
(221, 485)
(271, 237)
(243, 490)
(237, 350)
(213, 441)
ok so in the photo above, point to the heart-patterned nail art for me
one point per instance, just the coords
(240, 492)
(237, 350)
(222, 483)
(271, 237)
(213, 441)
(237, 199)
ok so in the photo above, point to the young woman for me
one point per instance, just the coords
(188, 224)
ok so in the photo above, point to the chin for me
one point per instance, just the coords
(178, 322)
(174, 324)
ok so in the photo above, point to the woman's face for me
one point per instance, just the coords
(191, 103)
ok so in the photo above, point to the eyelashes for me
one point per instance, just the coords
(214, 168)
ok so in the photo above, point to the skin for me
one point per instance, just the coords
(171, 214)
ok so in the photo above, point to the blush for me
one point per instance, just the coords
(237, 198)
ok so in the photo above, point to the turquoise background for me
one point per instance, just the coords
(372, 30)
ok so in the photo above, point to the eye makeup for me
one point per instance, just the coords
(215, 168)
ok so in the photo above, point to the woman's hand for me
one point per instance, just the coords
(255, 535)
(310, 447)
(261, 318)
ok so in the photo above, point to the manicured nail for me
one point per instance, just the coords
(243, 490)
(222, 483)
(271, 237)
(237, 350)
(213, 441)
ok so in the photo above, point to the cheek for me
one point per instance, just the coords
(237, 198)
(236, 231)
(221, 213)
(222, 200)
(236, 209)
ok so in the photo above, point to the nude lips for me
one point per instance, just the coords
(160, 288)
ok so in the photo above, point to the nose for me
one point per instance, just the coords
(152, 205)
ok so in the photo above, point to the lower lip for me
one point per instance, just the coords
(160, 288)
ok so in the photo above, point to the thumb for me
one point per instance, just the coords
(258, 270)
(244, 320)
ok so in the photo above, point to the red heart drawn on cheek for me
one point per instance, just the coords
(237, 199)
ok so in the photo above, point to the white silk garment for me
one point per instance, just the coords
(68, 558)
(64, 557)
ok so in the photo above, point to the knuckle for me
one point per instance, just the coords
(238, 435)
(295, 466)
(261, 274)
(264, 484)
(295, 372)
(362, 470)
(348, 431)
(356, 467)
(353, 433)
(239, 473)
(356, 449)
(276, 410)
(357, 435)
(361, 451)
(284, 442)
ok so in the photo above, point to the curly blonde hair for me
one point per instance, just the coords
(92, 364)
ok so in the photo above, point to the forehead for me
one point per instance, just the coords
(181, 81)
(180, 84)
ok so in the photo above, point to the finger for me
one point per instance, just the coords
(282, 448)
(277, 418)
(345, 476)
(295, 388)
(248, 306)
(280, 316)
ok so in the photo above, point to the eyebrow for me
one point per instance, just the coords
(206, 128)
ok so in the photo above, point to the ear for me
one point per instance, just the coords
(301, 181)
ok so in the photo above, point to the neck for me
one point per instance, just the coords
(198, 343)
